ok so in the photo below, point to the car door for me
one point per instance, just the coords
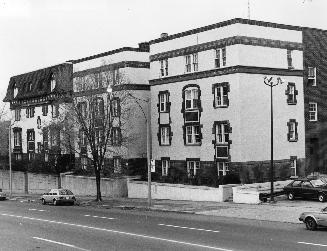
(322, 217)
(307, 190)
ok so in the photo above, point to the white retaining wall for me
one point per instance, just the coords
(139, 189)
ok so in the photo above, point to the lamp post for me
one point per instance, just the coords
(10, 171)
(148, 137)
(269, 82)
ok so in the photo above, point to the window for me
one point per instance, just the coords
(116, 136)
(83, 138)
(293, 165)
(17, 114)
(291, 93)
(222, 133)
(164, 135)
(46, 156)
(115, 107)
(30, 135)
(163, 102)
(164, 167)
(220, 92)
(192, 116)
(97, 80)
(29, 87)
(38, 122)
(192, 168)
(312, 76)
(52, 82)
(99, 136)
(292, 130)
(117, 164)
(55, 110)
(18, 156)
(223, 168)
(289, 59)
(220, 57)
(188, 63)
(30, 112)
(54, 137)
(222, 152)
(99, 107)
(116, 76)
(15, 90)
(164, 67)
(195, 61)
(193, 134)
(31, 156)
(313, 111)
(191, 98)
(17, 138)
(44, 110)
(83, 163)
(81, 108)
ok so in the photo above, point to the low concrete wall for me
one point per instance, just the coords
(83, 185)
(249, 193)
(139, 189)
(23, 182)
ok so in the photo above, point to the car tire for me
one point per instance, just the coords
(310, 223)
(321, 197)
(55, 202)
(290, 196)
(43, 202)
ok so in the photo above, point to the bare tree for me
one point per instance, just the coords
(94, 124)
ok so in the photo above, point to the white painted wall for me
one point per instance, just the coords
(225, 32)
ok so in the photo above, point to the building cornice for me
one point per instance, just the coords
(254, 41)
(226, 23)
(110, 67)
(226, 71)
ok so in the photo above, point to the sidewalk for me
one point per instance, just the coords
(281, 211)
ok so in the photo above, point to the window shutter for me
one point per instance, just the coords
(159, 136)
(296, 134)
(170, 135)
(158, 105)
(214, 129)
(184, 134)
(168, 106)
(214, 88)
(288, 133)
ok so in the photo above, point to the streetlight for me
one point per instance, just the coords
(148, 138)
(269, 82)
(10, 171)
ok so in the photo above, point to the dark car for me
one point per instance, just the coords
(307, 189)
(314, 219)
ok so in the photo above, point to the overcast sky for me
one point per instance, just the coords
(39, 33)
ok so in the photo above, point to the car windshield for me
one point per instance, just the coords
(318, 183)
(65, 192)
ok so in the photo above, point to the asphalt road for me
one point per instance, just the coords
(32, 226)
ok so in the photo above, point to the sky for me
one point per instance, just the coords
(35, 34)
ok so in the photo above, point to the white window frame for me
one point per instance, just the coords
(115, 107)
(164, 167)
(294, 166)
(221, 133)
(164, 67)
(222, 168)
(15, 91)
(289, 55)
(53, 82)
(292, 93)
(292, 130)
(163, 100)
(116, 137)
(17, 114)
(18, 156)
(313, 111)
(192, 132)
(164, 135)
(17, 138)
(220, 97)
(188, 63)
(193, 166)
(314, 76)
(220, 57)
(83, 163)
(191, 94)
(195, 61)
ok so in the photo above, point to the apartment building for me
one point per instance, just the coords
(125, 71)
(35, 101)
(211, 109)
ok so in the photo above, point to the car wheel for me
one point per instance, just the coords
(290, 196)
(321, 197)
(310, 223)
(55, 203)
(43, 201)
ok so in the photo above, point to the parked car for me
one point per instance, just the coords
(306, 188)
(314, 219)
(58, 196)
(2, 195)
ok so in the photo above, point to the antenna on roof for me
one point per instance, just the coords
(249, 13)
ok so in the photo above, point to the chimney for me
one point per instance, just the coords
(144, 46)
(163, 35)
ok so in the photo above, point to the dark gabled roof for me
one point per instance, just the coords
(40, 82)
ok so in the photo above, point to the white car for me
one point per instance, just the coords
(312, 220)
(58, 196)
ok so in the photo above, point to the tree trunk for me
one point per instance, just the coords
(97, 179)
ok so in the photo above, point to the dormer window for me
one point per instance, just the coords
(29, 87)
(53, 82)
(15, 90)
